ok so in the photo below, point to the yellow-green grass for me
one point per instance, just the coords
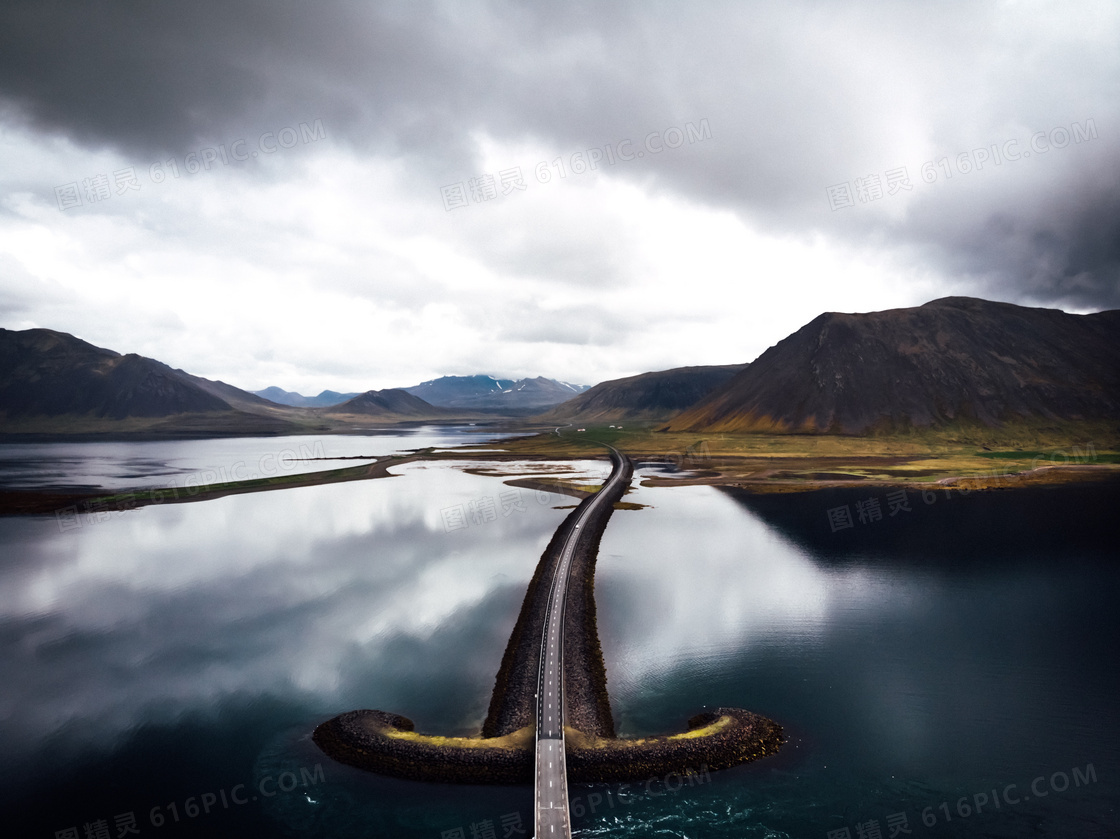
(576, 739)
(523, 738)
(919, 457)
(573, 737)
(520, 739)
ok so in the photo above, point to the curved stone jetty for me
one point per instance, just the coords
(387, 744)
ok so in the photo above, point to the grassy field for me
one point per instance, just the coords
(984, 457)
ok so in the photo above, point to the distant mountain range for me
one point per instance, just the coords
(954, 361)
(487, 394)
(493, 395)
(295, 400)
(648, 396)
(54, 383)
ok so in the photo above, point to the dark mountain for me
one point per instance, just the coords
(326, 399)
(490, 394)
(52, 381)
(649, 396)
(954, 361)
(47, 373)
(391, 402)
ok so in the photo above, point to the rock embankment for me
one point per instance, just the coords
(370, 740)
(717, 739)
(588, 705)
(385, 743)
(512, 705)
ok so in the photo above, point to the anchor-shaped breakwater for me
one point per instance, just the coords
(504, 752)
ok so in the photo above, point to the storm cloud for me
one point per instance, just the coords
(944, 147)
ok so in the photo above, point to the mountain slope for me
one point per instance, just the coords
(47, 373)
(488, 393)
(648, 396)
(54, 383)
(957, 360)
(391, 402)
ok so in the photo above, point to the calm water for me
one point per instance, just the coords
(192, 463)
(177, 657)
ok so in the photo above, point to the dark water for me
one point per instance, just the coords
(959, 647)
(176, 658)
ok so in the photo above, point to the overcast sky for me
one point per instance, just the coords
(368, 195)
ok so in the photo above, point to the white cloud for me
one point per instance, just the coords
(334, 263)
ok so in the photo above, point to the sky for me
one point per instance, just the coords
(360, 195)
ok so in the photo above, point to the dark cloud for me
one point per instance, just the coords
(1050, 236)
(163, 78)
(1064, 250)
(797, 96)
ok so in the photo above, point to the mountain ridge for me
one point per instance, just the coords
(954, 360)
(479, 392)
(56, 384)
(483, 392)
(656, 395)
(44, 372)
(325, 398)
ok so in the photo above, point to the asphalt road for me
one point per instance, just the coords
(551, 777)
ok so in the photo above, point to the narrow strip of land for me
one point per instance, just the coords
(551, 777)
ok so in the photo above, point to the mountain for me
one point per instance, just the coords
(391, 402)
(649, 396)
(490, 394)
(326, 399)
(53, 381)
(953, 361)
(47, 373)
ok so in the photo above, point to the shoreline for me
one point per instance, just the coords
(750, 473)
(52, 501)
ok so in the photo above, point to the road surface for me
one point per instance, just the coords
(551, 777)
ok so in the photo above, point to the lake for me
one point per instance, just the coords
(184, 464)
(952, 665)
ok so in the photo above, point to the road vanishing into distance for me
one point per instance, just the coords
(551, 777)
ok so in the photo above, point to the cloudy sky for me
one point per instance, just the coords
(366, 195)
